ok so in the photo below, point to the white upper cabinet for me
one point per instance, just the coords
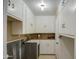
(26, 26)
(67, 19)
(15, 9)
(45, 24)
(28, 20)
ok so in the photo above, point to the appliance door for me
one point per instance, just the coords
(13, 51)
(38, 50)
(22, 55)
(10, 51)
(30, 51)
(16, 50)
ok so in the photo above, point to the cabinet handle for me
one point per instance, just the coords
(63, 26)
(9, 2)
(57, 42)
(31, 24)
(13, 5)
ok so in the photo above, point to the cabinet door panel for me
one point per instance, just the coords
(67, 21)
(15, 9)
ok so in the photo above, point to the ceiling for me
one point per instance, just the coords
(51, 8)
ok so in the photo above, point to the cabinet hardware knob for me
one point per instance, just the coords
(63, 26)
(13, 6)
(9, 2)
(60, 36)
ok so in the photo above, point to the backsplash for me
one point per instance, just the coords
(43, 36)
(34, 36)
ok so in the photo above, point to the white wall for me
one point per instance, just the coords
(45, 24)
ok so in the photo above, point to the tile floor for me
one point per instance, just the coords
(47, 57)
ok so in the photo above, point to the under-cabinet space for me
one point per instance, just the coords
(17, 27)
(13, 27)
(9, 30)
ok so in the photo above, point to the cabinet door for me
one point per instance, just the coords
(15, 9)
(28, 20)
(47, 47)
(67, 21)
(19, 7)
(61, 22)
(12, 8)
(45, 24)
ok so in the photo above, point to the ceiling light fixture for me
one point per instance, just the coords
(42, 5)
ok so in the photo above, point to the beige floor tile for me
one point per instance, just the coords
(47, 57)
